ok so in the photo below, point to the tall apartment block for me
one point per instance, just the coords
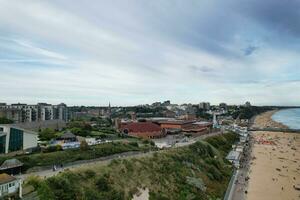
(204, 105)
(20, 113)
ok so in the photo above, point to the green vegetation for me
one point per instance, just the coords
(47, 134)
(200, 113)
(249, 112)
(4, 120)
(66, 156)
(141, 111)
(80, 128)
(198, 171)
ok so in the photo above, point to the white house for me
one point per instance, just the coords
(10, 185)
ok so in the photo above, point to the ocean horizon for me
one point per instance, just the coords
(288, 117)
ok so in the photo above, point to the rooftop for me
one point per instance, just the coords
(5, 178)
(67, 135)
(233, 155)
(11, 163)
(178, 122)
(142, 127)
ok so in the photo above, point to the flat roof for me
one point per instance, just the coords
(233, 155)
(16, 127)
(178, 122)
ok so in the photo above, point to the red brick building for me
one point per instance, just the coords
(147, 130)
(187, 126)
(176, 124)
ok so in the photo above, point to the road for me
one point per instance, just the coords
(238, 187)
(45, 173)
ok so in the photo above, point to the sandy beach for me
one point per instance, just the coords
(265, 121)
(275, 163)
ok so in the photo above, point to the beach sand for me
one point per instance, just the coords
(264, 120)
(275, 163)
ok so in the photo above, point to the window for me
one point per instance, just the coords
(2, 143)
(15, 140)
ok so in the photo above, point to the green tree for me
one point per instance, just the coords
(84, 146)
(47, 134)
(4, 120)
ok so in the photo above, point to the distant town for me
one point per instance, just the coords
(37, 139)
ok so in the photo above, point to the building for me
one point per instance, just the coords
(234, 157)
(21, 113)
(16, 139)
(204, 105)
(67, 137)
(67, 141)
(147, 130)
(10, 186)
(186, 126)
(176, 124)
(11, 166)
(187, 116)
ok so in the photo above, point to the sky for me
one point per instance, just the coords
(131, 52)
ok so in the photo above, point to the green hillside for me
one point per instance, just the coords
(198, 171)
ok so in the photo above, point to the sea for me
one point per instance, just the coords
(288, 117)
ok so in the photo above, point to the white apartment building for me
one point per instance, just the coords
(33, 113)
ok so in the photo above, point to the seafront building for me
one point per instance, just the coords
(16, 139)
(21, 113)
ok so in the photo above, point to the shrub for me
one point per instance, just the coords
(135, 144)
(102, 184)
(196, 182)
(53, 148)
(34, 181)
(89, 173)
(84, 146)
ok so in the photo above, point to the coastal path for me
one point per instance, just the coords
(46, 172)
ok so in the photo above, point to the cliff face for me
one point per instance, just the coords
(198, 171)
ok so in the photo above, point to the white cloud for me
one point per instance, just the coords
(127, 55)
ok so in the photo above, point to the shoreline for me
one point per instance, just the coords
(274, 166)
(265, 120)
(274, 162)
